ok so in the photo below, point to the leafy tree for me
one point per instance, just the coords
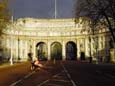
(98, 11)
(4, 20)
(4, 15)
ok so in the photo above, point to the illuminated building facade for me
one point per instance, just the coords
(54, 39)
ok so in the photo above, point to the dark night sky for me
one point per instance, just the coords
(42, 8)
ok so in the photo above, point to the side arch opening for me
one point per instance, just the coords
(56, 51)
(71, 51)
(41, 51)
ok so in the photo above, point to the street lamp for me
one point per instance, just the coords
(11, 57)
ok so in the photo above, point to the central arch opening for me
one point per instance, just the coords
(41, 51)
(71, 51)
(56, 51)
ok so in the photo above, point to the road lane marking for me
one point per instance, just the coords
(13, 84)
(29, 74)
(56, 75)
(25, 77)
(68, 75)
(60, 76)
(54, 85)
(43, 82)
(47, 80)
(106, 74)
(99, 72)
(109, 75)
(61, 80)
(73, 83)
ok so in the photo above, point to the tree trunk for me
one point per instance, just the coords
(111, 29)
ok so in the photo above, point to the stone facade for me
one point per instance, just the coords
(25, 34)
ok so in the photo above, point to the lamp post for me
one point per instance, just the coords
(18, 40)
(11, 57)
(55, 9)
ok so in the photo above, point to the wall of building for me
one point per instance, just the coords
(22, 36)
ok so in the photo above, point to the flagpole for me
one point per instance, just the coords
(55, 9)
(12, 19)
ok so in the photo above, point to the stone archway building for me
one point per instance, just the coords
(22, 36)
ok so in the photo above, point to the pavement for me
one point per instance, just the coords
(7, 64)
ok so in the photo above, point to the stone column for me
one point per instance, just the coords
(63, 51)
(20, 49)
(34, 50)
(26, 49)
(16, 48)
(49, 53)
(87, 47)
(78, 49)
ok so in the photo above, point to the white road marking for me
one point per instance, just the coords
(16, 82)
(54, 85)
(98, 72)
(43, 83)
(109, 75)
(68, 75)
(73, 83)
(47, 80)
(61, 80)
(61, 76)
(13, 84)
(56, 75)
(106, 74)
(29, 74)
(25, 77)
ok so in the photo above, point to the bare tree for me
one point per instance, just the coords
(98, 11)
